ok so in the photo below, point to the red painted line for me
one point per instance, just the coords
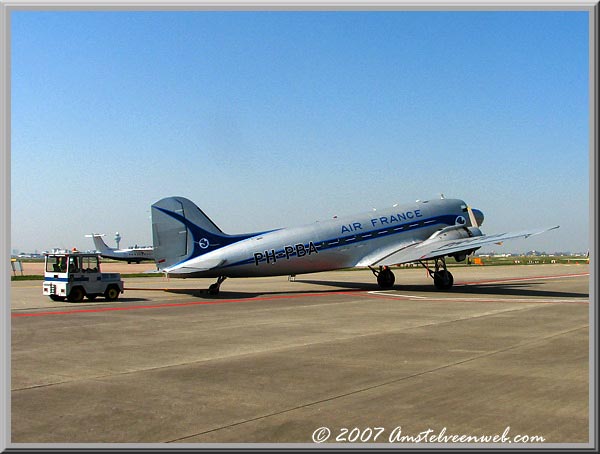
(191, 303)
(270, 298)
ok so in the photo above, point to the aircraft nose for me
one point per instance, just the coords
(479, 217)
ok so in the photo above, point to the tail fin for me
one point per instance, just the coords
(181, 231)
(99, 242)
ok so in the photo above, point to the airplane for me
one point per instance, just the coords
(187, 244)
(133, 254)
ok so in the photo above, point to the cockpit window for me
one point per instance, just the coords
(56, 264)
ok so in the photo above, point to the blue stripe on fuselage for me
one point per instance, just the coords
(445, 220)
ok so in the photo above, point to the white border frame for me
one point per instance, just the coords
(299, 5)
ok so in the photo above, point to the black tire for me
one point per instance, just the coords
(76, 294)
(112, 293)
(213, 289)
(443, 280)
(57, 298)
(386, 278)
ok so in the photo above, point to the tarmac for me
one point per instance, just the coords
(325, 358)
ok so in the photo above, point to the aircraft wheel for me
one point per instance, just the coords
(386, 278)
(111, 293)
(443, 280)
(213, 289)
(57, 298)
(76, 294)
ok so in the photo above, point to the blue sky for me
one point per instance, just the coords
(270, 119)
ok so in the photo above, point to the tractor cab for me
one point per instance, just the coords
(73, 275)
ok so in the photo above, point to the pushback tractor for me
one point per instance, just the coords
(75, 275)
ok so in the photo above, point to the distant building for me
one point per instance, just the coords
(29, 255)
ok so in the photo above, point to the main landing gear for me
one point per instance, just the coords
(214, 288)
(442, 278)
(385, 277)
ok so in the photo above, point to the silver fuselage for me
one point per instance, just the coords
(325, 245)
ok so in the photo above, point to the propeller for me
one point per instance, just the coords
(472, 217)
(473, 220)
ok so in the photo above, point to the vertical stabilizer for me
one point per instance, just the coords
(99, 242)
(181, 231)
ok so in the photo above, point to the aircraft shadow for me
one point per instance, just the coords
(87, 302)
(501, 289)
(520, 289)
(123, 300)
(224, 294)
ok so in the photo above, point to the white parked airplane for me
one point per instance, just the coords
(133, 254)
(188, 244)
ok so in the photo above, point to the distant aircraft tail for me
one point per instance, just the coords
(181, 231)
(99, 242)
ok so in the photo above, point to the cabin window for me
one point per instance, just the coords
(89, 264)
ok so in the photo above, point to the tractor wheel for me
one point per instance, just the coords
(76, 294)
(112, 293)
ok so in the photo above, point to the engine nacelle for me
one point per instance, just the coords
(456, 232)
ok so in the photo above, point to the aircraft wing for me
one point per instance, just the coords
(430, 249)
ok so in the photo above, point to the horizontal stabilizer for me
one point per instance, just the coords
(200, 265)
